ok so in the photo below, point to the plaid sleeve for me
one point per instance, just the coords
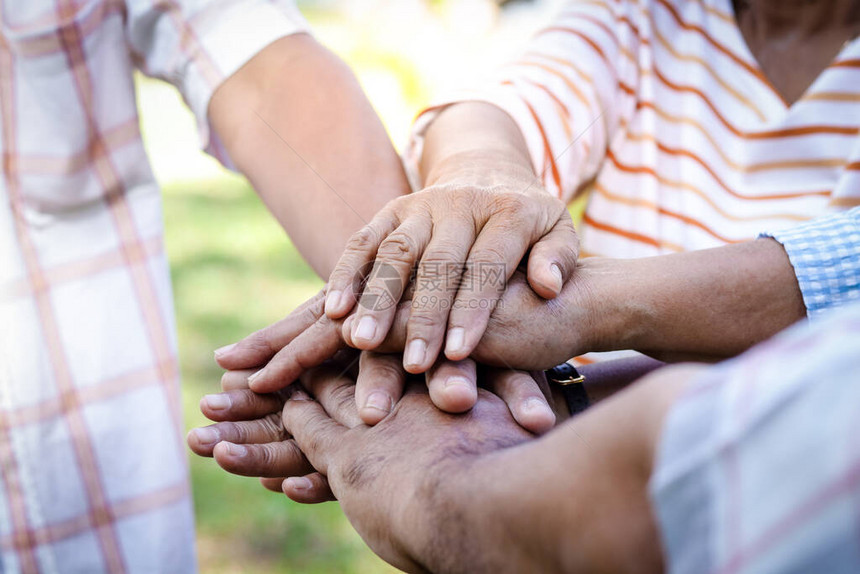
(825, 254)
(758, 468)
(569, 93)
(196, 45)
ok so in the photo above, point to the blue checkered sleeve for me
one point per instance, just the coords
(825, 254)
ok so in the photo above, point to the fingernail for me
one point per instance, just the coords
(224, 350)
(366, 329)
(457, 381)
(207, 435)
(235, 449)
(300, 395)
(379, 401)
(556, 272)
(255, 376)
(300, 483)
(416, 353)
(455, 340)
(218, 402)
(332, 301)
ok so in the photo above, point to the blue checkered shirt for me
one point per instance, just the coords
(825, 254)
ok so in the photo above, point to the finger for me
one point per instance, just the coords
(379, 385)
(524, 398)
(320, 342)
(335, 392)
(267, 429)
(552, 259)
(492, 261)
(257, 348)
(241, 405)
(272, 460)
(453, 385)
(436, 285)
(273, 484)
(236, 380)
(309, 489)
(392, 271)
(360, 250)
(318, 435)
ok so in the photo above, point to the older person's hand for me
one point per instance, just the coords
(248, 438)
(388, 477)
(430, 491)
(482, 209)
(524, 332)
(466, 240)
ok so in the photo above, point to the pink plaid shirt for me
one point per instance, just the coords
(759, 462)
(93, 474)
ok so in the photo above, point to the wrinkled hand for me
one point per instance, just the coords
(388, 476)
(466, 235)
(307, 337)
(435, 492)
(524, 332)
(249, 439)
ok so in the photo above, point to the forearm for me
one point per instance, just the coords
(474, 142)
(710, 303)
(296, 122)
(573, 501)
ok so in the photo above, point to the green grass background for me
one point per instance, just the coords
(233, 271)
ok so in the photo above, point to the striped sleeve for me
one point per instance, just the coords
(825, 254)
(196, 45)
(570, 93)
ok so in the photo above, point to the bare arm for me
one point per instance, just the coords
(295, 121)
(711, 303)
(705, 304)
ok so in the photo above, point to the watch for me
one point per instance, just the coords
(570, 380)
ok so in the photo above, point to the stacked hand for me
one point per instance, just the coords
(465, 234)
(250, 439)
(457, 493)
(524, 331)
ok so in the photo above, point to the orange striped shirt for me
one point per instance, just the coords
(659, 109)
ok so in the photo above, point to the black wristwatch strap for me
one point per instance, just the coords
(568, 378)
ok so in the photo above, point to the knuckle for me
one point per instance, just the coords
(444, 251)
(342, 396)
(378, 367)
(237, 432)
(398, 247)
(423, 320)
(486, 255)
(315, 444)
(402, 203)
(259, 342)
(268, 456)
(363, 240)
(273, 426)
(389, 369)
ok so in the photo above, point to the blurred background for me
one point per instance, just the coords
(235, 271)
